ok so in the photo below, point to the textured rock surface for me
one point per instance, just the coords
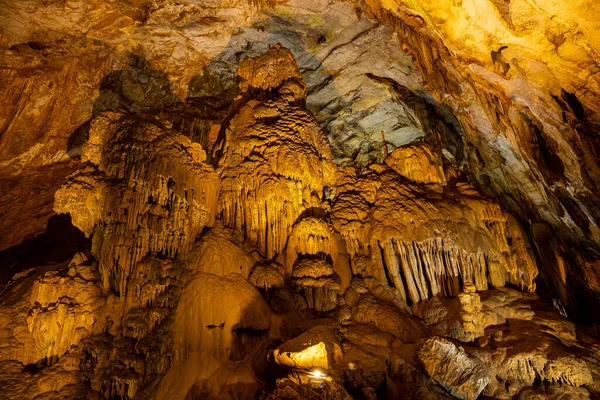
(417, 163)
(522, 79)
(275, 159)
(316, 348)
(145, 190)
(256, 212)
(463, 376)
(427, 247)
(524, 116)
(471, 315)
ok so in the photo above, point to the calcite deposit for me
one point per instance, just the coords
(299, 200)
(144, 190)
(275, 159)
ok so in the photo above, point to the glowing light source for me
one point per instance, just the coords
(317, 374)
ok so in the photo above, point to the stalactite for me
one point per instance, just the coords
(432, 266)
(276, 160)
(426, 248)
(144, 191)
(317, 282)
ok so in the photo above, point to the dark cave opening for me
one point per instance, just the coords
(57, 244)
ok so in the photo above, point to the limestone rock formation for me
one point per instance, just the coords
(471, 314)
(463, 376)
(427, 247)
(235, 305)
(316, 348)
(302, 199)
(266, 277)
(275, 159)
(316, 237)
(522, 80)
(144, 191)
(46, 312)
(416, 163)
(219, 253)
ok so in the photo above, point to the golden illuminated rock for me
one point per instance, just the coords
(417, 163)
(428, 247)
(316, 237)
(314, 349)
(234, 304)
(388, 318)
(219, 254)
(471, 315)
(144, 191)
(522, 79)
(318, 283)
(266, 276)
(275, 159)
(464, 376)
(46, 312)
(359, 195)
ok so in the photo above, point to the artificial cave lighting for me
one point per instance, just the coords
(299, 199)
(317, 374)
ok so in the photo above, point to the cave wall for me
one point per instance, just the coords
(367, 190)
(392, 170)
(514, 86)
(528, 119)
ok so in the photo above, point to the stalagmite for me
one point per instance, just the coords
(235, 304)
(299, 199)
(471, 314)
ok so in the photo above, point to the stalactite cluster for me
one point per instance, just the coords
(276, 160)
(360, 215)
(144, 191)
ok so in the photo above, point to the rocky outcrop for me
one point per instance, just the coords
(143, 191)
(388, 318)
(425, 248)
(275, 159)
(317, 348)
(518, 343)
(462, 375)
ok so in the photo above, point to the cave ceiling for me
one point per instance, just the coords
(191, 191)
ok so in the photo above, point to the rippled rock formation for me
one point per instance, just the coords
(276, 159)
(427, 247)
(145, 191)
(304, 200)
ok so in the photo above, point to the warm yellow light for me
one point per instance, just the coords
(317, 374)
